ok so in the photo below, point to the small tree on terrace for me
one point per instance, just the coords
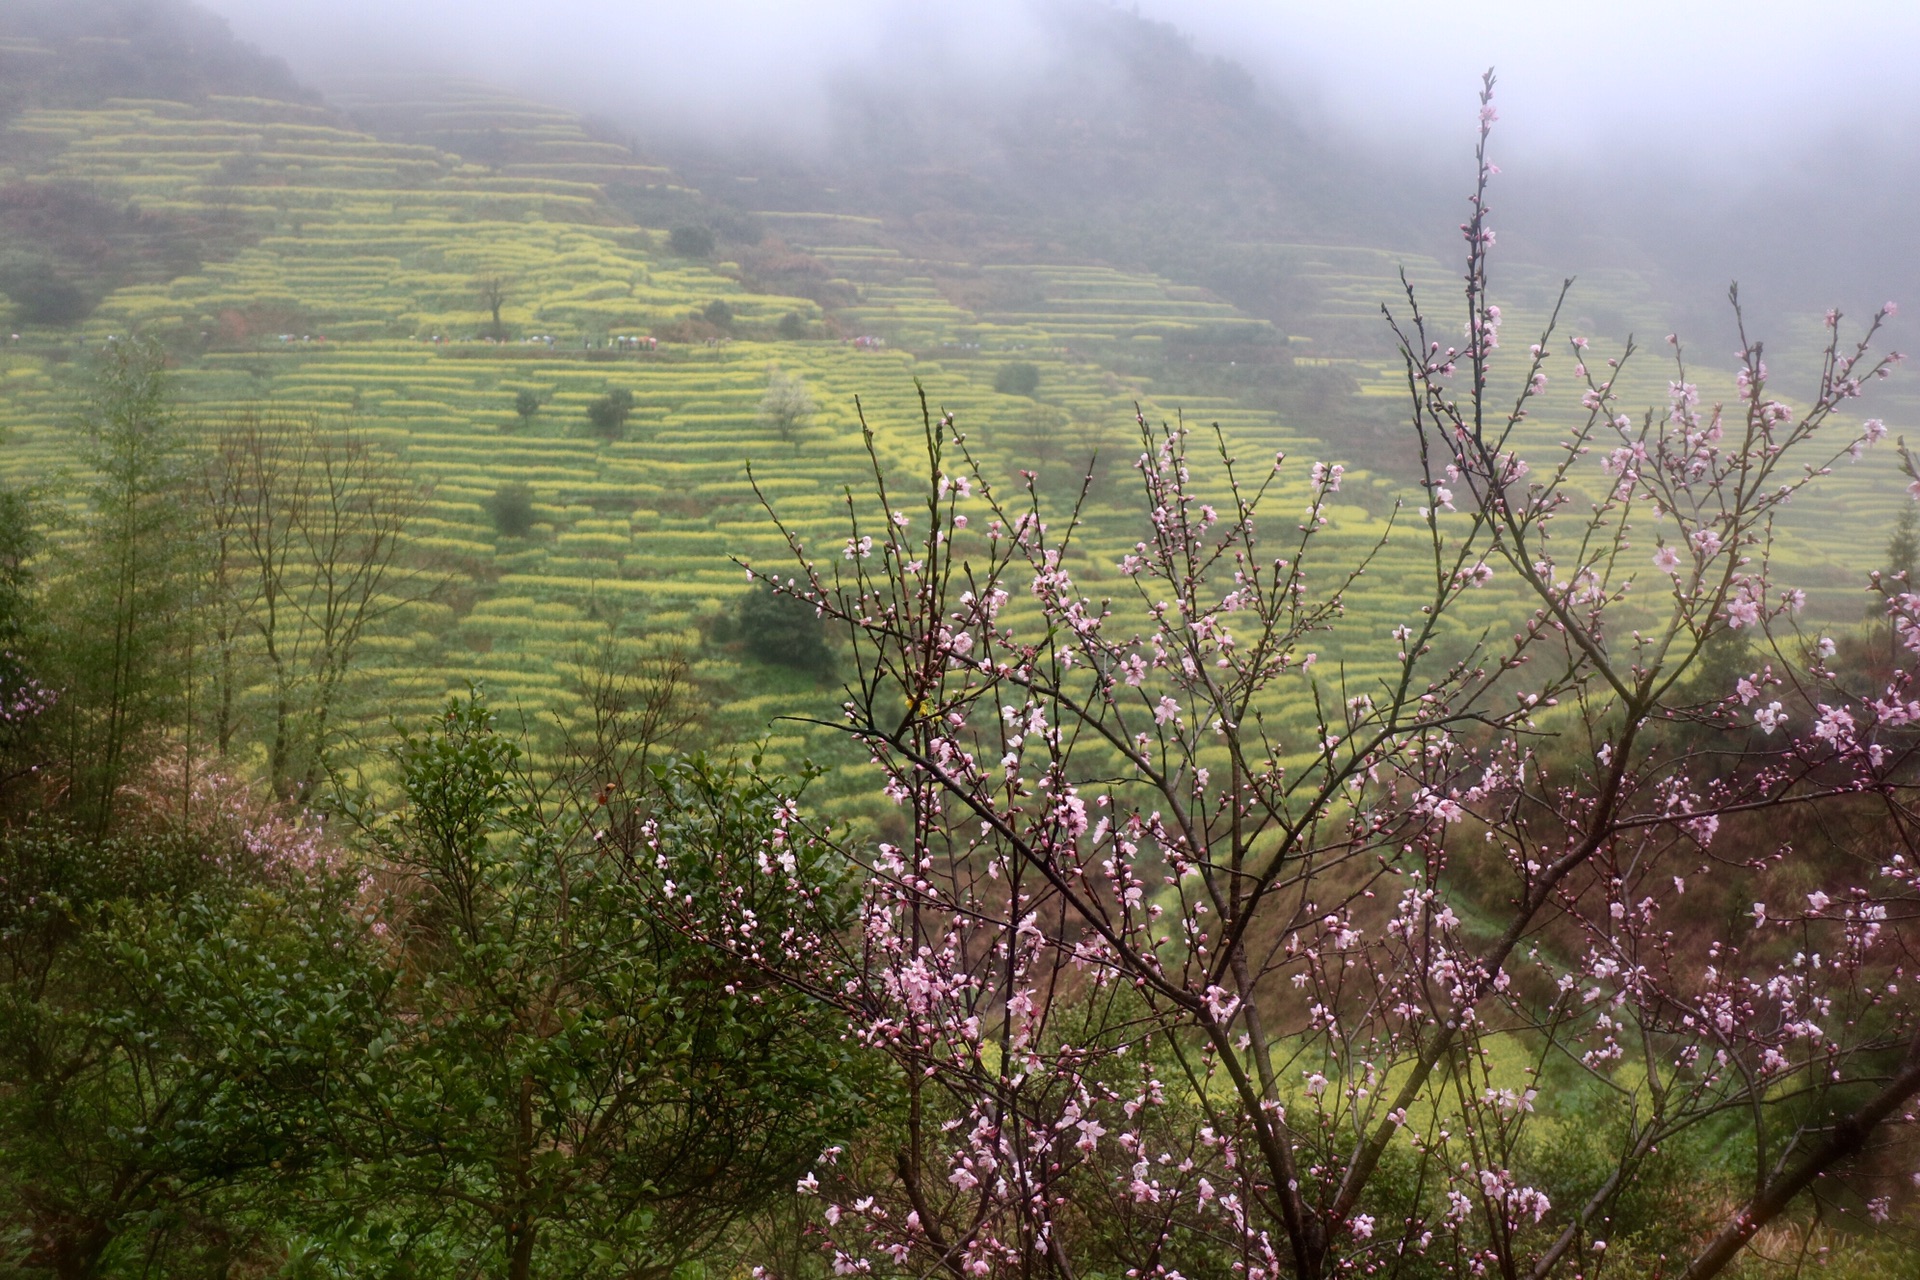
(526, 403)
(511, 507)
(787, 406)
(784, 631)
(690, 242)
(608, 414)
(1017, 378)
(1201, 953)
(493, 296)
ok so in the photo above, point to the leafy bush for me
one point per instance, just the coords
(526, 404)
(174, 1008)
(573, 1086)
(690, 242)
(42, 295)
(784, 631)
(1017, 378)
(609, 413)
(511, 507)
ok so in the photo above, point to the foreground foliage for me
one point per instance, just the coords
(565, 1083)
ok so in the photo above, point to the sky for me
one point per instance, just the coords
(1693, 81)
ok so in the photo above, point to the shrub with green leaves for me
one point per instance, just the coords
(787, 405)
(783, 631)
(511, 507)
(527, 404)
(608, 414)
(690, 242)
(1017, 378)
(178, 1008)
(568, 1082)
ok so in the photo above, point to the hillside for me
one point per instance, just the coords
(82, 52)
(344, 258)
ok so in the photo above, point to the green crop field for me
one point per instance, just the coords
(355, 296)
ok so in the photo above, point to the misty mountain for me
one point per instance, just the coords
(67, 53)
(1108, 136)
(1122, 142)
(64, 247)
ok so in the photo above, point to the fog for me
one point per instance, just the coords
(1707, 81)
(1752, 137)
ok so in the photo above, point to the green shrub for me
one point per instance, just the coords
(526, 404)
(783, 631)
(787, 406)
(1017, 378)
(511, 507)
(41, 295)
(690, 242)
(610, 412)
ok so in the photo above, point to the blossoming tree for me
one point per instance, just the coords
(1201, 956)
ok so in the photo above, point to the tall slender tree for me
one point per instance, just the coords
(123, 585)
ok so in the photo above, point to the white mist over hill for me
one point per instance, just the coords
(1714, 138)
(1688, 80)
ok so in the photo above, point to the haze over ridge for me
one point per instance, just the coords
(1698, 80)
(1712, 137)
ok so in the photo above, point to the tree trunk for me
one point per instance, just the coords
(520, 1254)
(75, 1253)
(223, 727)
(522, 1230)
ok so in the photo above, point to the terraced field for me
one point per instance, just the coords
(360, 299)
